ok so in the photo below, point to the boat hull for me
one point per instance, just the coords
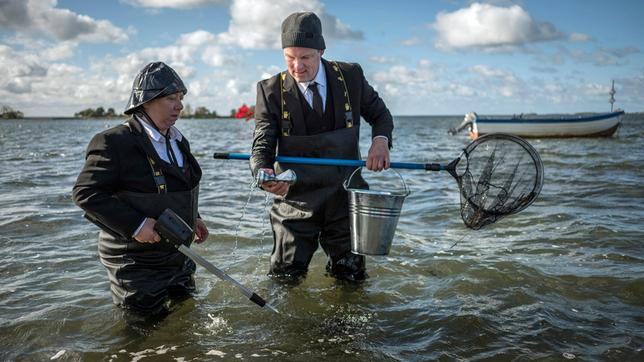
(602, 125)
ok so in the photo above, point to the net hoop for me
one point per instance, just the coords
(474, 211)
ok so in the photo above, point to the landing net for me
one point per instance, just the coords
(502, 175)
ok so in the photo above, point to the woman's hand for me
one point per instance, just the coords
(201, 231)
(147, 233)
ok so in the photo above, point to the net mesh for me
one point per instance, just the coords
(502, 175)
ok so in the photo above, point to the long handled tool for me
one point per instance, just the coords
(173, 229)
(337, 162)
(502, 174)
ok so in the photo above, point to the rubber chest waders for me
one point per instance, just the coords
(316, 206)
(141, 274)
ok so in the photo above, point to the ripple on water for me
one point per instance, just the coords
(560, 280)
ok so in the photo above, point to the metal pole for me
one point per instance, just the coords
(333, 162)
(612, 96)
(219, 273)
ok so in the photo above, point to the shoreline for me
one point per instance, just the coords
(61, 118)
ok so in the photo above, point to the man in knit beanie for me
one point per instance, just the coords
(313, 109)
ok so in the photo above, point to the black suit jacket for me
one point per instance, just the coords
(365, 102)
(116, 160)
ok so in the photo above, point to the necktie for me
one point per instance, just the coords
(170, 152)
(317, 100)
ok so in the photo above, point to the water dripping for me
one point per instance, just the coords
(265, 226)
(253, 185)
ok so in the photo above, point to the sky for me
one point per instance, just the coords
(439, 57)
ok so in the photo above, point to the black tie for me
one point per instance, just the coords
(168, 149)
(317, 100)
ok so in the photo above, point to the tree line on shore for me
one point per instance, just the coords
(187, 112)
(7, 112)
(98, 112)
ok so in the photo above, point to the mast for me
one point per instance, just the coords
(612, 96)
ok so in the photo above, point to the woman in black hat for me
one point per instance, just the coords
(132, 173)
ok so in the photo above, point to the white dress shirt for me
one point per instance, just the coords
(320, 79)
(158, 141)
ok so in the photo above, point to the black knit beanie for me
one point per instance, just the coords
(302, 30)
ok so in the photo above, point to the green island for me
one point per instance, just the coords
(7, 112)
(200, 112)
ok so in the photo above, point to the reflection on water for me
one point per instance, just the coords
(561, 280)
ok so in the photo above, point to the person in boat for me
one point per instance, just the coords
(132, 173)
(313, 109)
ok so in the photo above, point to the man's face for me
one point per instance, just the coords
(302, 63)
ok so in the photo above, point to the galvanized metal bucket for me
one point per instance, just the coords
(373, 217)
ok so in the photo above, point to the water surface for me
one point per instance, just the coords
(562, 280)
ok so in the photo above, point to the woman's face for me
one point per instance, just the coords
(164, 111)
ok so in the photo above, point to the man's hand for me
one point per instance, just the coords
(279, 188)
(201, 231)
(147, 233)
(378, 157)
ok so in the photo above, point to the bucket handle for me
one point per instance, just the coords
(348, 181)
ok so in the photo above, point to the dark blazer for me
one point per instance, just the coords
(116, 160)
(365, 102)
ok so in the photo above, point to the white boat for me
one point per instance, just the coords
(533, 125)
(585, 125)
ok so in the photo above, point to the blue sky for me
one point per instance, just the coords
(423, 57)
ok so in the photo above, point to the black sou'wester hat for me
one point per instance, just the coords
(156, 79)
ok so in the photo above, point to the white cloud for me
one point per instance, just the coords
(59, 51)
(182, 51)
(333, 28)
(196, 38)
(382, 59)
(268, 71)
(411, 41)
(579, 37)
(256, 24)
(431, 88)
(174, 4)
(34, 72)
(599, 57)
(497, 81)
(421, 76)
(489, 26)
(232, 86)
(30, 78)
(41, 17)
(215, 56)
(489, 72)
(19, 70)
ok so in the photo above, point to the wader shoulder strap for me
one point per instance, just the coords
(348, 114)
(286, 117)
(157, 174)
(159, 179)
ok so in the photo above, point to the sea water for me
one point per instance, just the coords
(562, 280)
